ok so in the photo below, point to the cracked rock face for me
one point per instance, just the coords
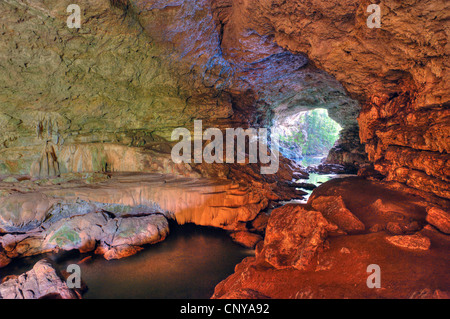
(138, 69)
(39, 283)
(398, 73)
(133, 73)
(293, 237)
(114, 237)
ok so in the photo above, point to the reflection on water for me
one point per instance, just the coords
(188, 264)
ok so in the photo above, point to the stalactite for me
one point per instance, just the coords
(47, 165)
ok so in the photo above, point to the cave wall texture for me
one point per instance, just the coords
(108, 95)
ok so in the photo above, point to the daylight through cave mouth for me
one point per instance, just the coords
(90, 103)
(307, 136)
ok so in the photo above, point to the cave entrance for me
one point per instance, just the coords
(308, 136)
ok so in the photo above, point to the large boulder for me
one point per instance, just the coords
(40, 282)
(113, 237)
(293, 236)
(126, 236)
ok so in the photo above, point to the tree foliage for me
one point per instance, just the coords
(313, 134)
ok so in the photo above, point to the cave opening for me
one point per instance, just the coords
(87, 159)
(308, 136)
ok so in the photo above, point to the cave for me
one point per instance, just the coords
(95, 99)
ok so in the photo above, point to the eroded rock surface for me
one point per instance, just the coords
(293, 236)
(114, 237)
(335, 211)
(232, 63)
(118, 215)
(337, 266)
(157, 65)
(439, 218)
(41, 282)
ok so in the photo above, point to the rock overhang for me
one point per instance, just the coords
(146, 67)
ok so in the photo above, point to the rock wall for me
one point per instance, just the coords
(398, 73)
(135, 71)
(138, 69)
(108, 82)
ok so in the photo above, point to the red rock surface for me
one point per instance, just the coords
(293, 237)
(335, 211)
(413, 242)
(246, 239)
(339, 268)
(439, 218)
(404, 273)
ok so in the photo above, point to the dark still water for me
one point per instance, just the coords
(188, 264)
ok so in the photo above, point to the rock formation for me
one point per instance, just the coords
(334, 210)
(252, 61)
(305, 256)
(41, 282)
(293, 237)
(86, 117)
(118, 216)
(93, 228)
(439, 218)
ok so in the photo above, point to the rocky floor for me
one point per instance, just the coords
(323, 249)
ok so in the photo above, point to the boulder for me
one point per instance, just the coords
(293, 236)
(246, 239)
(40, 282)
(114, 237)
(335, 211)
(412, 242)
(125, 236)
(439, 218)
